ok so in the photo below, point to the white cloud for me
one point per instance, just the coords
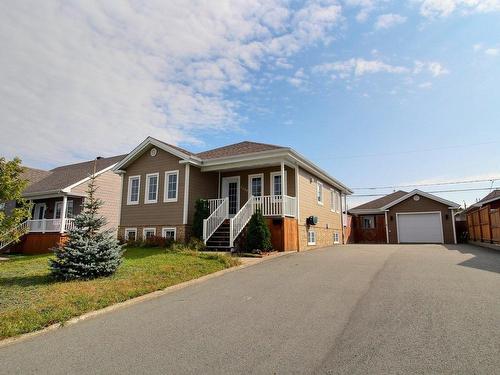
(386, 21)
(444, 8)
(86, 78)
(366, 7)
(425, 85)
(492, 51)
(298, 79)
(358, 67)
(436, 69)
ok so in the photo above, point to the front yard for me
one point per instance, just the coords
(31, 300)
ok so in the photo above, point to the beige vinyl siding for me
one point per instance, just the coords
(328, 221)
(202, 185)
(153, 214)
(108, 190)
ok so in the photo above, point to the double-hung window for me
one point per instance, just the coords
(151, 193)
(277, 187)
(171, 188)
(337, 201)
(336, 238)
(134, 185)
(255, 185)
(319, 192)
(58, 209)
(333, 200)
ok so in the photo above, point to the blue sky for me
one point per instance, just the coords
(376, 92)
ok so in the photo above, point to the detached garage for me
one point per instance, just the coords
(402, 217)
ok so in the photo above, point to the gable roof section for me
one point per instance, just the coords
(61, 178)
(381, 204)
(237, 149)
(491, 197)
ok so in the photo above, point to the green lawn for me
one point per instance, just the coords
(31, 300)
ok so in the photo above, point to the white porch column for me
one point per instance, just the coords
(297, 206)
(63, 213)
(186, 196)
(283, 184)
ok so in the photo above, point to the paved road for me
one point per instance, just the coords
(354, 309)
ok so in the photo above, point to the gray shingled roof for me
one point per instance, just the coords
(62, 177)
(236, 149)
(381, 202)
(34, 175)
(494, 195)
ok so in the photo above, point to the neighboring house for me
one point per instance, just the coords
(161, 184)
(483, 219)
(57, 196)
(401, 217)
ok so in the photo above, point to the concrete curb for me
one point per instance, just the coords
(144, 297)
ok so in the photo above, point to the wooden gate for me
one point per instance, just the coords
(484, 225)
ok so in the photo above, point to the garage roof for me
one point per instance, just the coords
(381, 204)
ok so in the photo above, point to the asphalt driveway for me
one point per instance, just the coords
(344, 310)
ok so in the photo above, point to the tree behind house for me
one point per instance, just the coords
(12, 186)
(201, 211)
(89, 251)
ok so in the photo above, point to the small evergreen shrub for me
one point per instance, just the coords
(258, 234)
(89, 252)
(201, 212)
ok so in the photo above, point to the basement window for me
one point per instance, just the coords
(311, 237)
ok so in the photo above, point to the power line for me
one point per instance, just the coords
(430, 184)
(435, 191)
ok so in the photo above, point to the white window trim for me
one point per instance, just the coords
(283, 184)
(129, 190)
(338, 201)
(333, 201)
(144, 230)
(311, 243)
(146, 190)
(128, 230)
(164, 229)
(250, 178)
(335, 242)
(165, 187)
(320, 202)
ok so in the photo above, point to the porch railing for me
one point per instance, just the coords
(275, 205)
(240, 220)
(50, 225)
(214, 203)
(216, 218)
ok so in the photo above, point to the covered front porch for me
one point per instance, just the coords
(269, 187)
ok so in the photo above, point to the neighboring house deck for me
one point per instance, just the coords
(57, 196)
(161, 184)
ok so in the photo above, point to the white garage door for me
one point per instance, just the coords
(420, 228)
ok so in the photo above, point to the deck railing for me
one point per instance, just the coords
(216, 218)
(275, 205)
(240, 220)
(50, 225)
(214, 203)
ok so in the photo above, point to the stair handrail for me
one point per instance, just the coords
(22, 227)
(216, 218)
(240, 220)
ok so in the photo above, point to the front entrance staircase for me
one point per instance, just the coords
(221, 238)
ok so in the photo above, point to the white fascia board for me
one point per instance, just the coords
(309, 165)
(136, 152)
(424, 194)
(50, 194)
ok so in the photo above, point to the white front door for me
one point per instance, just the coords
(231, 190)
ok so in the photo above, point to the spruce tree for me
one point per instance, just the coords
(89, 251)
(258, 235)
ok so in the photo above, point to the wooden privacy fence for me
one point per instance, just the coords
(484, 225)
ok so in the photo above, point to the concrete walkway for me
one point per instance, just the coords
(353, 309)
